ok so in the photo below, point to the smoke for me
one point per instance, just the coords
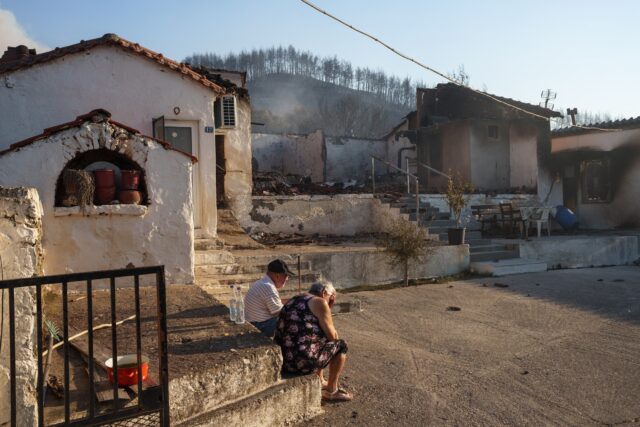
(12, 34)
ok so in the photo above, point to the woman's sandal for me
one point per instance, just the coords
(338, 395)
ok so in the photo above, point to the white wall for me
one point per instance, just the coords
(291, 154)
(374, 267)
(523, 142)
(349, 158)
(21, 255)
(238, 181)
(490, 164)
(134, 89)
(110, 236)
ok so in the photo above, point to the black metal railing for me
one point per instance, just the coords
(152, 397)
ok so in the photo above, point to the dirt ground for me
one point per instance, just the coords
(554, 348)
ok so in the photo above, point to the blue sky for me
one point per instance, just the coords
(587, 51)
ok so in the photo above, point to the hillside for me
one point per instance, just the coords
(288, 103)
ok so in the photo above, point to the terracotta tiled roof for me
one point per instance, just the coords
(631, 123)
(97, 116)
(109, 40)
(215, 76)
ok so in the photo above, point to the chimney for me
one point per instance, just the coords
(17, 53)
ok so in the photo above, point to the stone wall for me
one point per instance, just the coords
(339, 215)
(21, 256)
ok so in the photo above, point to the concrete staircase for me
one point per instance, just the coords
(229, 374)
(487, 256)
(217, 269)
(438, 222)
(230, 235)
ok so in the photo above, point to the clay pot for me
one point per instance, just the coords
(105, 195)
(130, 197)
(105, 178)
(130, 179)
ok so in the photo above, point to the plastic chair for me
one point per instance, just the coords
(540, 216)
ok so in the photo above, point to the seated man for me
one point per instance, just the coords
(262, 304)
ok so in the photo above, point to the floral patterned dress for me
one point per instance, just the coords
(305, 347)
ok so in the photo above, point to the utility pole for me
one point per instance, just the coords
(547, 95)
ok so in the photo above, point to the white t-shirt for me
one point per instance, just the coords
(262, 301)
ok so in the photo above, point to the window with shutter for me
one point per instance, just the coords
(228, 111)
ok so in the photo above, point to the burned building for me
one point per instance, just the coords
(599, 171)
(490, 144)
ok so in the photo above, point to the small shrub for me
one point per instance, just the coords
(456, 195)
(405, 242)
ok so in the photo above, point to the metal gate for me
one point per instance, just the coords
(152, 406)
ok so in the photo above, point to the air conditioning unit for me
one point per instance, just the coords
(225, 112)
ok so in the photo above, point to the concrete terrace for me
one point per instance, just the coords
(553, 348)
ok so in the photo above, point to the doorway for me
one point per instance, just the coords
(183, 135)
(221, 171)
(570, 188)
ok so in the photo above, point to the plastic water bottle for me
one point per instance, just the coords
(239, 307)
(233, 304)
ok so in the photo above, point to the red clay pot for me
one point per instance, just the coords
(105, 178)
(130, 197)
(104, 195)
(130, 179)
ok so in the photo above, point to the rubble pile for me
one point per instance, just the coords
(274, 183)
(269, 239)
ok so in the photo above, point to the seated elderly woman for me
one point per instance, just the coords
(309, 340)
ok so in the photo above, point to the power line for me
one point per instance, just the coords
(428, 68)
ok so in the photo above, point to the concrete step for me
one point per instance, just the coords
(208, 244)
(442, 232)
(249, 257)
(493, 255)
(291, 402)
(476, 249)
(429, 215)
(214, 362)
(438, 223)
(408, 204)
(507, 266)
(213, 257)
(236, 268)
(478, 242)
(424, 210)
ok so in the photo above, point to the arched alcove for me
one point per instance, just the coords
(104, 159)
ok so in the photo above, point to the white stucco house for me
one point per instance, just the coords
(158, 230)
(203, 114)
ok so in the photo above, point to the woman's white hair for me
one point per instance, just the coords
(319, 287)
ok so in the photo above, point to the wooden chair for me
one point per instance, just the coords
(511, 219)
(486, 215)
